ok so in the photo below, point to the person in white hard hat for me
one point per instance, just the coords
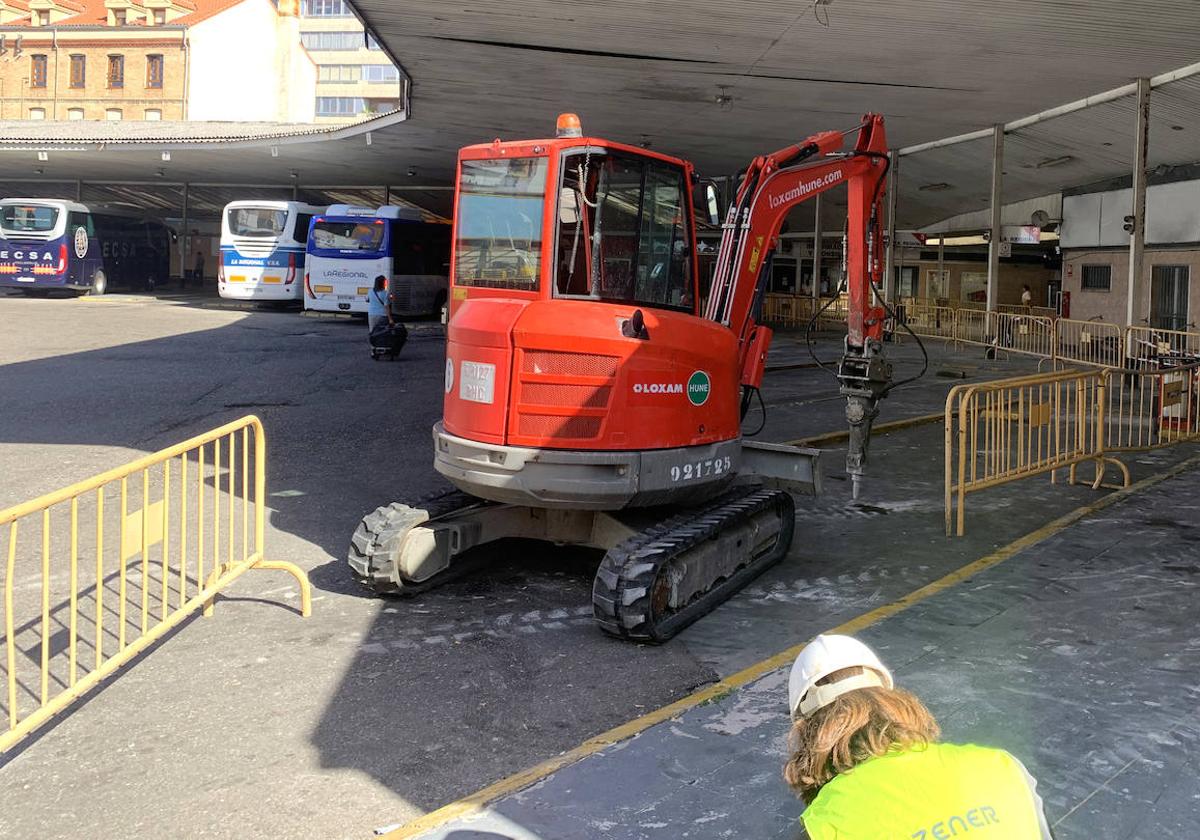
(866, 760)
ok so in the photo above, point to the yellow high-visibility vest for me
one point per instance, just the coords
(937, 792)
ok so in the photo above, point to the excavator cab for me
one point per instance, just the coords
(578, 371)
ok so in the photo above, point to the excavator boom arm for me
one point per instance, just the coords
(773, 185)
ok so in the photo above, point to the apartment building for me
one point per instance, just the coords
(354, 76)
(154, 60)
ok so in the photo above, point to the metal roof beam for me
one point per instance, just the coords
(1061, 110)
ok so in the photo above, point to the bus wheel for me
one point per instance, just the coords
(99, 282)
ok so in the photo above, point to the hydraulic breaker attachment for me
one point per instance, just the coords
(865, 376)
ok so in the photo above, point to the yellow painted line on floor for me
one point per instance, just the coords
(881, 429)
(476, 802)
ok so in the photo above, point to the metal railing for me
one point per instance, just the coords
(1088, 343)
(122, 558)
(1015, 329)
(1010, 429)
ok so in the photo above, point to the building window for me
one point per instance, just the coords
(160, 17)
(74, 113)
(37, 71)
(1097, 277)
(154, 71)
(372, 44)
(338, 73)
(326, 41)
(37, 113)
(340, 106)
(78, 70)
(44, 17)
(112, 114)
(153, 114)
(325, 8)
(119, 17)
(380, 73)
(381, 106)
(116, 71)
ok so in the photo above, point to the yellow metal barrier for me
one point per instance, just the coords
(1021, 309)
(971, 326)
(932, 321)
(1151, 348)
(1012, 429)
(1088, 343)
(1026, 334)
(125, 557)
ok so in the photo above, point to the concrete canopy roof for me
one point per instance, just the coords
(719, 83)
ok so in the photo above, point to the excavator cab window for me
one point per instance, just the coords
(499, 223)
(623, 233)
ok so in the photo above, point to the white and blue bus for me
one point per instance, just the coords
(262, 249)
(48, 244)
(348, 247)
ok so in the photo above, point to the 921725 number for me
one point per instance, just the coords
(707, 468)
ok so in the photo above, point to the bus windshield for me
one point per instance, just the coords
(499, 224)
(257, 221)
(22, 218)
(347, 236)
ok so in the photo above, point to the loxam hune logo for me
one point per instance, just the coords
(698, 388)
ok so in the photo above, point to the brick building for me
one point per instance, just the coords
(154, 60)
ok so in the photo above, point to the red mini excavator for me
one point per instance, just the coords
(590, 400)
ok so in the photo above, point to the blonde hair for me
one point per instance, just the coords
(858, 725)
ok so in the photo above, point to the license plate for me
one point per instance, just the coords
(323, 290)
(477, 382)
(345, 297)
(24, 279)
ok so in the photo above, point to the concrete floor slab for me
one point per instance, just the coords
(1081, 660)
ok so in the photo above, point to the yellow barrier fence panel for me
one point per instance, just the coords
(1015, 428)
(1088, 343)
(88, 584)
(1151, 348)
(1029, 335)
(970, 326)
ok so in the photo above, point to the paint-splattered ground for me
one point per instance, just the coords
(1081, 655)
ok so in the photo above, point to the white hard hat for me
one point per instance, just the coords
(823, 656)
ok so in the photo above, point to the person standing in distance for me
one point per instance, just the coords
(379, 309)
(1026, 296)
(866, 759)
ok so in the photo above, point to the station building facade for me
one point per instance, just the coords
(239, 60)
(1095, 247)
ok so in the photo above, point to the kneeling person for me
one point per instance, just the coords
(866, 760)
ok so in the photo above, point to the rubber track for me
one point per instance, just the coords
(624, 583)
(373, 546)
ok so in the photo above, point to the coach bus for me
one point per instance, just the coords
(50, 244)
(262, 249)
(348, 247)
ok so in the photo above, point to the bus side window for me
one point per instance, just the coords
(406, 250)
(76, 219)
(300, 231)
(437, 250)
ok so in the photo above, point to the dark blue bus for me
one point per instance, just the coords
(56, 244)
